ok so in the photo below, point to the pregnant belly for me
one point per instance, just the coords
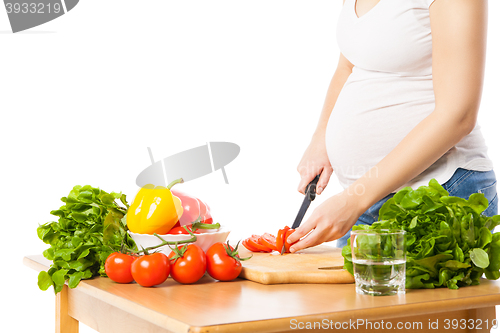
(371, 116)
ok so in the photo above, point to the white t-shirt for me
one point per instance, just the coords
(389, 92)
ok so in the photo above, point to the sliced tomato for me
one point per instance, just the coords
(281, 237)
(254, 242)
(269, 241)
(249, 246)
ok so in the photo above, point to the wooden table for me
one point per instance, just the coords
(245, 306)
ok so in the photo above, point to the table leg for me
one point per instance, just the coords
(64, 322)
(483, 319)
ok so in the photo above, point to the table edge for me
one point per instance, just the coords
(162, 320)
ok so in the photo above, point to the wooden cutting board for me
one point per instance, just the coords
(319, 264)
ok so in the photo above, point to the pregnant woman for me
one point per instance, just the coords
(400, 110)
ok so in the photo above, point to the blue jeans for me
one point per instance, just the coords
(462, 184)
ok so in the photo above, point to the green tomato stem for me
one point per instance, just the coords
(199, 225)
(163, 243)
(234, 253)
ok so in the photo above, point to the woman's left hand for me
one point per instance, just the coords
(329, 221)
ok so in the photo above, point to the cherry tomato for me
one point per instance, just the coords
(118, 267)
(223, 262)
(254, 242)
(151, 269)
(269, 241)
(188, 263)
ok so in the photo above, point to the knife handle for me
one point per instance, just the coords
(311, 188)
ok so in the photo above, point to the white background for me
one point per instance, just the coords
(83, 97)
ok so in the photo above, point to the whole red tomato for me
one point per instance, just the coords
(118, 267)
(223, 262)
(188, 263)
(151, 269)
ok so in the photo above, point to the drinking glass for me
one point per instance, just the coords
(379, 261)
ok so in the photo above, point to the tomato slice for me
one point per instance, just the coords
(254, 242)
(249, 246)
(281, 238)
(269, 241)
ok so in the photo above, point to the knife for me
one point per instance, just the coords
(310, 196)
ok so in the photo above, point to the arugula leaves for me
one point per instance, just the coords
(91, 226)
(449, 243)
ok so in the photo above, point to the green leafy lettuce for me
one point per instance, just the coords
(449, 243)
(90, 227)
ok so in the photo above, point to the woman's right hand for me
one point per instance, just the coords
(314, 162)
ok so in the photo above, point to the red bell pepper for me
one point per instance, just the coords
(193, 208)
(206, 217)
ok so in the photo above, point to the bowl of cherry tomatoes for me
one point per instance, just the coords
(204, 238)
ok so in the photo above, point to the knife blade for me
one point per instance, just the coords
(310, 195)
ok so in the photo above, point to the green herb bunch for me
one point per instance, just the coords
(90, 227)
(449, 243)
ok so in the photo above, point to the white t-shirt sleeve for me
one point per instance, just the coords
(429, 2)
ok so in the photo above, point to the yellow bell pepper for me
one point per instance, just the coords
(154, 210)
